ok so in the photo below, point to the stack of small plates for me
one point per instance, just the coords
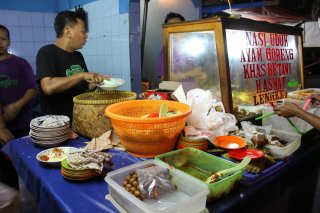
(76, 174)
(49, 130)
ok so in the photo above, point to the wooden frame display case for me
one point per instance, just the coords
(244, 63)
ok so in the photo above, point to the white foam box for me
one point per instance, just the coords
(303, 94)
(190, 196)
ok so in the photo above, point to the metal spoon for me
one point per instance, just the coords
(216, 176)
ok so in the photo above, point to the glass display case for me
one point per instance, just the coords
(244, 63)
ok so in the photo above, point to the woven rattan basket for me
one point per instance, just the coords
(89, 119)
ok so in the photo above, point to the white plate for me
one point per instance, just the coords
(55, 155)
(50, 121)
(49, 139)
(111, 84)
(52, 134)
(49, 143)
(43, 129)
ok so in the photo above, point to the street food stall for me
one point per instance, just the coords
(244, 63)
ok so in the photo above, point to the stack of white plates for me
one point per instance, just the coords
(49, 130)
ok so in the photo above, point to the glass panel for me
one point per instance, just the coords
(264, 67)
(194, 61)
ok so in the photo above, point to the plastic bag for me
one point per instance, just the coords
(154, 181)
(192, 133)
(200, 102)
(221, 122)
(248, 128)
(255, 135)
(208, 114)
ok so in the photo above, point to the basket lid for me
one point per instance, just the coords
(104, 97)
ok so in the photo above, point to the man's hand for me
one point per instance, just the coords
(287, 110)
(94, 77)
(10, 112)
(5, 135)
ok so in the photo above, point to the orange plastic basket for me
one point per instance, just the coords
(147, 137)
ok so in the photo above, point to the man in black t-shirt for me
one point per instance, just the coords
(61, 70)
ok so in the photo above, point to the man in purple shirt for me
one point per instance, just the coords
(17, 88)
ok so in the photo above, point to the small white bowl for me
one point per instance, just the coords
(111, 84)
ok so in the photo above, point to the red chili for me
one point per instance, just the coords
(43, 157)
(154, 115)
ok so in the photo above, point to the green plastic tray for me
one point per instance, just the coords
(201, 165)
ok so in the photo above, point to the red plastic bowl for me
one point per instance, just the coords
(239, 154)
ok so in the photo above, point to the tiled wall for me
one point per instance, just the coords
(28, 32)
(135, 44)
(108, 47)
(113, 45)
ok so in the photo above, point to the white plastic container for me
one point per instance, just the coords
(190, 195)
(294, 142)
(303, 94)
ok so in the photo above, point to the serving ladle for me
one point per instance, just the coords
(218, 175)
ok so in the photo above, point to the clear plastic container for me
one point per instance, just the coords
(190, 195)
(294, 142)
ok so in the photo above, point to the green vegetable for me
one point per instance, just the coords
(163, 110)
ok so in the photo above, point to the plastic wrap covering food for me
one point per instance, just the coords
(154, 181)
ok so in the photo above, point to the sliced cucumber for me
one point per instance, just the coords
(163, 110)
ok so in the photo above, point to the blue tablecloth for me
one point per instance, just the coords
(54, 193)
